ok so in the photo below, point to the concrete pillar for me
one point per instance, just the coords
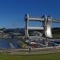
(44, 24)
(49, 23)
(26, 25)
(47, 26)
(45, 29)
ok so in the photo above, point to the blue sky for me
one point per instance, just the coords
(12, 11)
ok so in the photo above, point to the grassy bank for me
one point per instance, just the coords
(56, 35)
(55, 56)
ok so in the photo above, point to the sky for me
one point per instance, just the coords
(12, 12)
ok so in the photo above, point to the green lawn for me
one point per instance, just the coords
(56, 35)
(55, 56)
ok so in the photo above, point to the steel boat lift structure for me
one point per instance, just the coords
(46, 21)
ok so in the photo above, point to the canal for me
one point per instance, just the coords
(9, 43)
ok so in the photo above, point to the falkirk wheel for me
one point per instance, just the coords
(46, 25)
